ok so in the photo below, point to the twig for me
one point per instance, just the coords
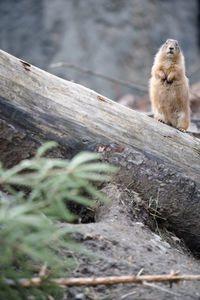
(140, 272)
(43, 270)
(50, 297)
(136, 86)
(129, 294)
(89, 281)
(152, 285)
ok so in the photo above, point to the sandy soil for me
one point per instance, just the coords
(124, 245)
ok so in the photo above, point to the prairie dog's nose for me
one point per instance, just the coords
(171, 48)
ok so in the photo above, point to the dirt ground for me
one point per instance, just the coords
(126, 236)
(124, 244)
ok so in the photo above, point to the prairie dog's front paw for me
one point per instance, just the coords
(169, 82)
(170, 77)
(161, 75)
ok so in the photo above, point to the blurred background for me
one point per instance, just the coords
(114, 38)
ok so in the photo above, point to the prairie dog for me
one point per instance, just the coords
(169, 88)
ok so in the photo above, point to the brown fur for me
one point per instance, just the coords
(169, 87)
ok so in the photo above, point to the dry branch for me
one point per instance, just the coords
(87, 281)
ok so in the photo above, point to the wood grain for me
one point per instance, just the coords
(73, 114)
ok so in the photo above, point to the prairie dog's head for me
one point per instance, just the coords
(171, 48)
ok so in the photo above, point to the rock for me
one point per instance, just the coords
(115, 38)
(80, 297)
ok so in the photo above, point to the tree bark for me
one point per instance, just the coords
(157, 161)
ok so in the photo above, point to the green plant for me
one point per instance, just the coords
(34, 199)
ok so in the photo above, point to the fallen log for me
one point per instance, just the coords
(157, 161)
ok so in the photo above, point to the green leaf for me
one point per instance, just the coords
(32, 208)
(47, 146)
(82, 158)
(98, 167)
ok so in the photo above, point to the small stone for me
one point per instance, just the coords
(80, 296)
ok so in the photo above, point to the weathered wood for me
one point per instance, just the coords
(156, 160)
(73, 114)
